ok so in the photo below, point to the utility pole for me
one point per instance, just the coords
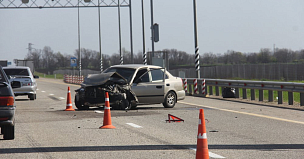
(143, 32)
(152, 30)
(197, 57)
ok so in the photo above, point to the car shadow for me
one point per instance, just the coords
(22, 99)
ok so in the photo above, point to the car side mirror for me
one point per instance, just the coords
(15, 84)
(35, 76)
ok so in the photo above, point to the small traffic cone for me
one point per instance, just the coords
(107, 123)
(202, 144)
(69, 106)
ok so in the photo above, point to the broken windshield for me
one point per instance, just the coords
(127, 73)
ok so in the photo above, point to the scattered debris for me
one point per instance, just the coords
(213, 131)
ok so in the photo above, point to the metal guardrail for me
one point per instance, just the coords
(261, 86)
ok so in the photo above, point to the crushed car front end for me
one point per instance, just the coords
(92, 92)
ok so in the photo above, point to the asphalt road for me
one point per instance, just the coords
(235, 129)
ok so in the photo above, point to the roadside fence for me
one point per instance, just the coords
(73, 79)
(197, 87)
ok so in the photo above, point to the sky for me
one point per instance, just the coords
(239, 25)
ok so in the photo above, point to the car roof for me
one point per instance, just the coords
(16, 67)
(136, 66)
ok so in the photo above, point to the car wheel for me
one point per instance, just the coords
(8, 132)
(31, 96)
(133, 105)
(170, 100)
(80, 106)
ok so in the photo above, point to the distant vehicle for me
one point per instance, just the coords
(26, 78)
(7, 106)
(3, 63)
(130, 85)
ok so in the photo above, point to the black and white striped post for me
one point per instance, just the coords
(197, 57)
(121, 59)
(119, 29)
(145, 58)
(143, 33)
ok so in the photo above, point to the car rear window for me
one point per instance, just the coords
(16, 72)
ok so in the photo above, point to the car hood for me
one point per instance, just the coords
(102, 78)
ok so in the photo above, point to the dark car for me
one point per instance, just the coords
(7, 106)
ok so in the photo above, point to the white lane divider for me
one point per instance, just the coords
(134, 125)
(213, 155)
(97, 111)
(42, 91)
(51, 94)
(61, 98)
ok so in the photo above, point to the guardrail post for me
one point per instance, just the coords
(217, 91)
(290, 98)
(270, 96)
(237, 92)
(280, 97)
(199, 87)
(244, 93)
(252, 91)
(210, 90)
(301, 99)
(261, 95)
(190, 87)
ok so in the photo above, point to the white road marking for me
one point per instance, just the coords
(61, 98)
(51, 94)
(134, 125)
(97, 111)
(43, 91)
(251, 114)
(37, 89)
(213, 155)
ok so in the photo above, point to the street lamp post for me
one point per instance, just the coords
(101, 66)
(79, 42)
(143, 32)
(152, 30)
(197, 57)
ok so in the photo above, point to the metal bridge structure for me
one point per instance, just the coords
(48, 4)
(14, 4)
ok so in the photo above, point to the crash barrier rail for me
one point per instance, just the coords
(73, 79)
(197, 87)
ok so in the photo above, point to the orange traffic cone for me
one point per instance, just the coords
(69, 106)
(202, 144)
(107, 123)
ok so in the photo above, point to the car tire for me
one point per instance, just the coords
(8, 132)
(80, 106)
(31, 96)
(170, 100)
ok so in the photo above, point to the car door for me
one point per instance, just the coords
(148, 86)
